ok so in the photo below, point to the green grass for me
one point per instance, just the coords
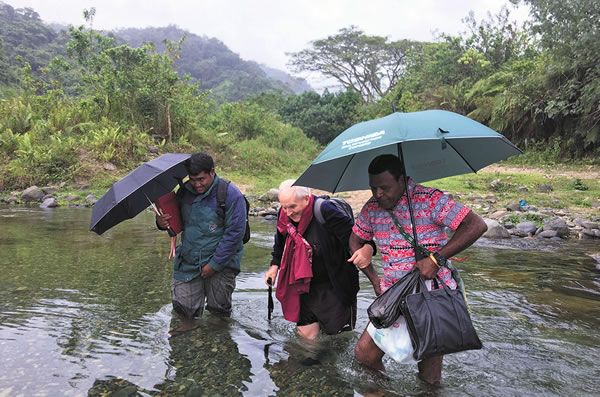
(567, 191)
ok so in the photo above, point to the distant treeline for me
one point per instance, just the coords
(74, 98)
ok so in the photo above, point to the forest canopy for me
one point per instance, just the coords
(72, 98)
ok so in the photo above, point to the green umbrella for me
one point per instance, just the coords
(433, 144)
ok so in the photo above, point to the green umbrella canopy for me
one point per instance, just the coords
(433, 143)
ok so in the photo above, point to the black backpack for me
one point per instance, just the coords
(339, 203)
(222, 197)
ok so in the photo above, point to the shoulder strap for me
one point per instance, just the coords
(410, 239)
(222, 188)
(317, 210)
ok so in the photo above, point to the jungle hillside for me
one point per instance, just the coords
(81, 107)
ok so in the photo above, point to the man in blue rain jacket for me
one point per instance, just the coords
(208, 259)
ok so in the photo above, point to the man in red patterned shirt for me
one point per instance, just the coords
(433, 211)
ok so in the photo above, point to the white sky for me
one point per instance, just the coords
(264, 30)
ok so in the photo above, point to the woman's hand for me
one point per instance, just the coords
(271, 274)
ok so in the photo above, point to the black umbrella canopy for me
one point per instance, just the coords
(133, 193)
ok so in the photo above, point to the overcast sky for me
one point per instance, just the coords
(264, 30)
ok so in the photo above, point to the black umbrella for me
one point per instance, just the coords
(134, 192)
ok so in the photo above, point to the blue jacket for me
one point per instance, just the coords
(206, 239)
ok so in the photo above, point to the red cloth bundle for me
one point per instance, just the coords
(168, 204)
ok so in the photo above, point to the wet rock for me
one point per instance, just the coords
(272, 195)
(518, 233)
(557, 224)
(527, 227)
(267, 212)
(548, 233)
(12, 199)
(495, 230)
(593, 233)
(32, 193)
(90, 199)
(49, 189)
(50, 202)
(270, 217)
(544, 188)
(114, 387)
(513, 207)
(109, 167)
(498, 214)
(590, 225)
(509, 225)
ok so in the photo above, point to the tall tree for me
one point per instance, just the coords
(322, 117)
(369, 65)
(570, 34)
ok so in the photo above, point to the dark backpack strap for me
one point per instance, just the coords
(222, 188)
(317, 210)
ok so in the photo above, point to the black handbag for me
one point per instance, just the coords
(438, 322)
(385, 309)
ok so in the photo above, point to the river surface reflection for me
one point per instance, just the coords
(82, 314)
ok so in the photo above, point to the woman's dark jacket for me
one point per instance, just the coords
(330, 252)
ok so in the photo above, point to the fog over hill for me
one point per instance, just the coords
(24, 35)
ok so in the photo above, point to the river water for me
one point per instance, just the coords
(82, 314)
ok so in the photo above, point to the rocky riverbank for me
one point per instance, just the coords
(512, 220)
(516, 219)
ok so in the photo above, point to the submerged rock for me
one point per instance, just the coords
(558, 225)
(50, 202)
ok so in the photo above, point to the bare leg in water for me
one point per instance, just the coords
(369, 354)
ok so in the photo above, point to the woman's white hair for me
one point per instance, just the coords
(301, 191)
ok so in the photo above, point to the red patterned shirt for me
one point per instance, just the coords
(433, 211)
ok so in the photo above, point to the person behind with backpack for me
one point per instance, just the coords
(208, 258)
(316, 287)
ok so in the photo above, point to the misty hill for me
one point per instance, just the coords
(24, 35)
(207, 60)
(297, 84)
(211, 62)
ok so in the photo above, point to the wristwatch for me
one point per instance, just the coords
(439, 259)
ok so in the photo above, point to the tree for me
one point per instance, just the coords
(133, 86)
(569, 33)
(322, 117)
(369, 65)
(497, 38)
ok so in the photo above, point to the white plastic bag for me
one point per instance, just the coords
(394, 341)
